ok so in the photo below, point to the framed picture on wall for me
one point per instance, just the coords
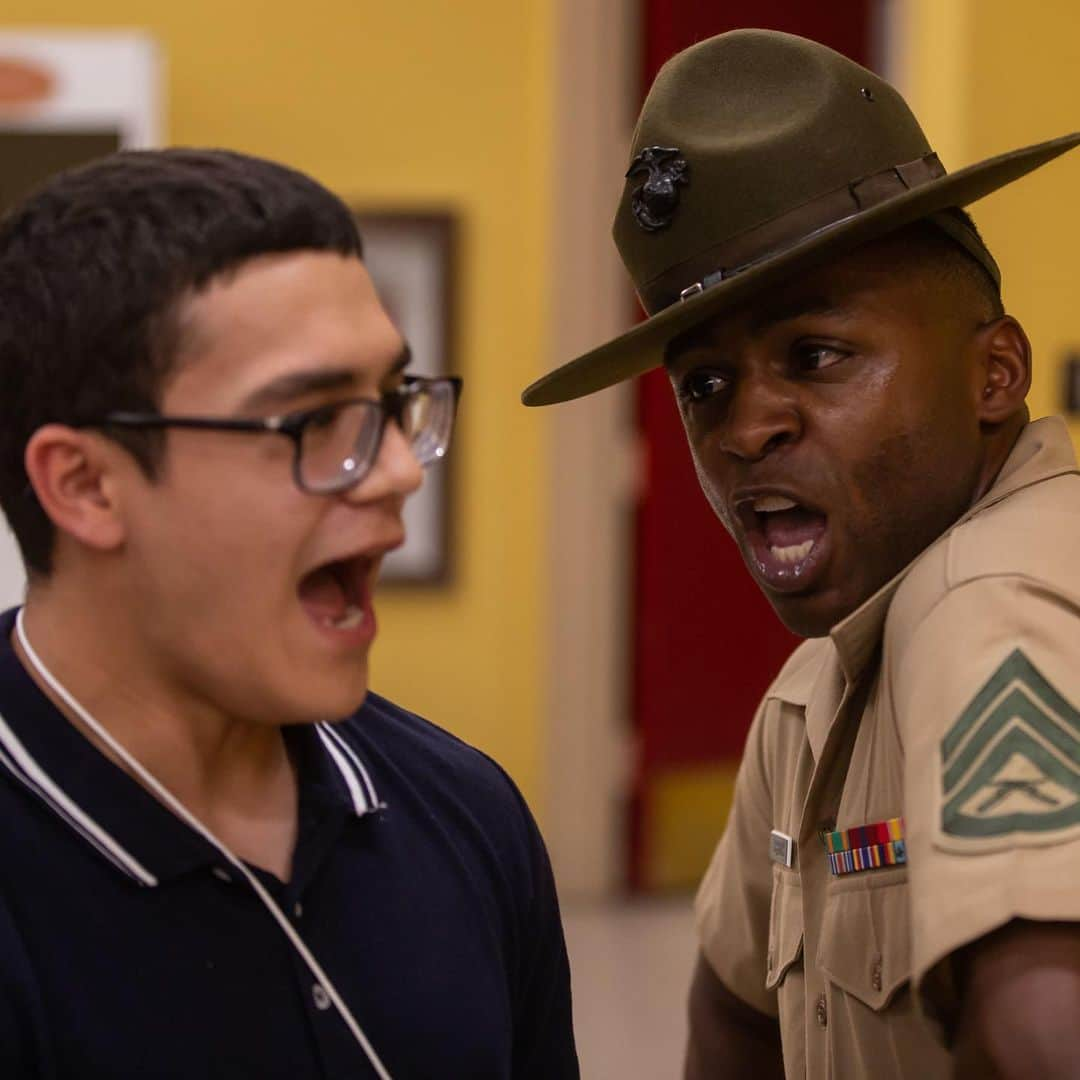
(67, 97)
(411, 257)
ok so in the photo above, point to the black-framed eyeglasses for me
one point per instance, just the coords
(337, 444)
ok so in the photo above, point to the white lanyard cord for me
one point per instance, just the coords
(186, 816)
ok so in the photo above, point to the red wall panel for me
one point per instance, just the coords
(706, 643)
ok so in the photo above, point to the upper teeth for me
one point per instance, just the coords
(768, 504)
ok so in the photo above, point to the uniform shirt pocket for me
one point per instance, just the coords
(865, 944)
(785, 926)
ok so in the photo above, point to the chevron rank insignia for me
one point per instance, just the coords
(1011, 762)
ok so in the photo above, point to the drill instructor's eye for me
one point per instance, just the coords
(816, 357)
(701, 385)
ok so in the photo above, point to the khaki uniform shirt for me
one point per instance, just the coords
(949, 699)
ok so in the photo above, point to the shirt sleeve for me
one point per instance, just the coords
(986, 693)
(543, 1038)
(733, 903)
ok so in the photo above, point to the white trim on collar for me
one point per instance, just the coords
(25, 768)
(331, 741)
(21, 764)
(352, 769)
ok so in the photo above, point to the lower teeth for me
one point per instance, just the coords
(353, 617)
(794, 553)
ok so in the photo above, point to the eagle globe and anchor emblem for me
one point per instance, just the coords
(654, 202)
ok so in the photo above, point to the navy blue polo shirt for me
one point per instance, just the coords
(130, 948)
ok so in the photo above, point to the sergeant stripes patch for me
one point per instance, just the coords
(1011, 762)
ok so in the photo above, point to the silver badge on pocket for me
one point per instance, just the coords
(781, 848)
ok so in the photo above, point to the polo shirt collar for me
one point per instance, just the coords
(1042, 451)
(41, 750)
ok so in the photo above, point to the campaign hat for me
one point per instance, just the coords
(759, 155)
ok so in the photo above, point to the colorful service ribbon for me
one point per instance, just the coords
(866, 847)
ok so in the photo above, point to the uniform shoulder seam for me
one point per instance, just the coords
(1005, 575)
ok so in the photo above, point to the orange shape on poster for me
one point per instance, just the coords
(23, 82)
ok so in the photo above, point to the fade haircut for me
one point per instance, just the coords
(94, 270)
(953, 264)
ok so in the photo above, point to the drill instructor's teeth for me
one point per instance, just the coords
(793, 553)
(769, 504)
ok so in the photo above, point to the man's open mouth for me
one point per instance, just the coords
(337, 594)
(787, 539)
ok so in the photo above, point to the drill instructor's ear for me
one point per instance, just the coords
(72, 473)
(1005, 370)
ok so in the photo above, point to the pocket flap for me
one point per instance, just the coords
(785, 926)
(865, 946)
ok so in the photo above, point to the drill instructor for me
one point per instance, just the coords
(897, 889)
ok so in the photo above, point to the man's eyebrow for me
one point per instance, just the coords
(286, 388)
(295, 384)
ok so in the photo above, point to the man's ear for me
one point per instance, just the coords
(73, 474)
(1004, 370)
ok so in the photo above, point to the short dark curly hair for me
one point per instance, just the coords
(93, 270)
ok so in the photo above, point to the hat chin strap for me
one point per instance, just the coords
(772, 238)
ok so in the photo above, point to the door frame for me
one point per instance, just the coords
(593, 451)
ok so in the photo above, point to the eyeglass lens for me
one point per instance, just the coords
(339, 445)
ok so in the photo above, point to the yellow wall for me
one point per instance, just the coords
(412, 104)
(986, 76)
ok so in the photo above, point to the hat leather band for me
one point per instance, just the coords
(739, 253)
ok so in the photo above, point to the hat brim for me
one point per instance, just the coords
(642, 348)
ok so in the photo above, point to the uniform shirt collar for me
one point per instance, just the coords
(1042, 450)
(46, 754)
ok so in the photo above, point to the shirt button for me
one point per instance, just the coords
(320, 997)
(222, 874)
(822, 1012)
(297, 910)
(875, 975)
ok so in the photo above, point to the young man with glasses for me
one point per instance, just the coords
(222, 856)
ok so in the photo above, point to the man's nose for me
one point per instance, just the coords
(396, 471)
(763, 416)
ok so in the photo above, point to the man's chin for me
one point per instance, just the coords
(345, 704)
(328, 696)
(809, 615)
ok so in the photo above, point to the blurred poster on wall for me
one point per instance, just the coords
(67, 97)
(411, 256)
